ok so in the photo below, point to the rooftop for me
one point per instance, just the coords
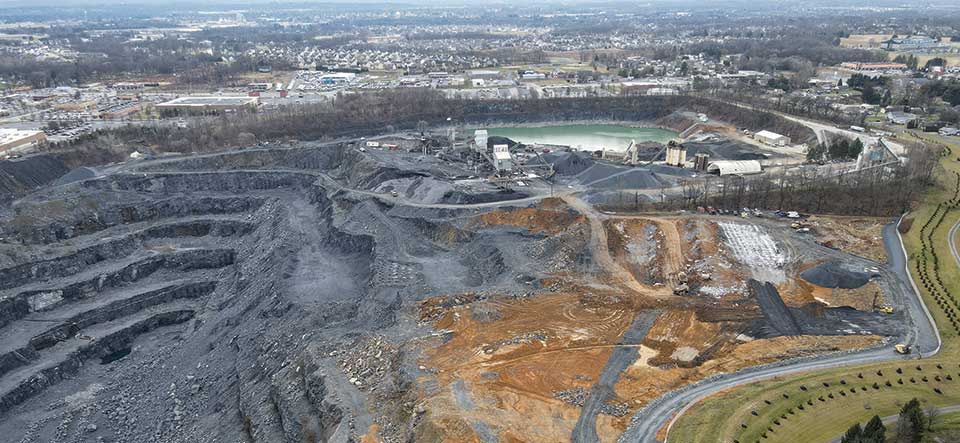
(210, 101)
(768, 134)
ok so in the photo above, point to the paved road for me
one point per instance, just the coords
(820, 129)
(923, 336)
(953, 241)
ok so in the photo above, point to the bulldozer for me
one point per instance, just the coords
(902, 348)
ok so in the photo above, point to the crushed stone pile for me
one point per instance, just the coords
(833, 275)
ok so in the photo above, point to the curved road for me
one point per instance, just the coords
(953, 241)
(923, 336)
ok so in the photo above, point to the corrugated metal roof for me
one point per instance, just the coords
(735, 167)
(768, 135)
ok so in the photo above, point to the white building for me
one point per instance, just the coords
(15, 138)
(772, 138)
(480, 140)
(502, 161)
(734, 167)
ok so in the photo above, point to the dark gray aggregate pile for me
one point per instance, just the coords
(833, 275)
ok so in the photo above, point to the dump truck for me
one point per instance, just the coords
(902, 348)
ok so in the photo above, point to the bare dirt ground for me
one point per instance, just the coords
(540, 357)
(859, 236)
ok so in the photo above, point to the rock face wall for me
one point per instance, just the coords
(249, 296)
(20, 176)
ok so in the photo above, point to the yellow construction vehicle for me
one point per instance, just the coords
(902, 348)
(886, 309)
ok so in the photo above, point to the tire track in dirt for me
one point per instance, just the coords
(620, 359)
(599, 248)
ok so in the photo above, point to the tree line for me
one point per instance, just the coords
(912, 424)
(355, 115)
(841, 149)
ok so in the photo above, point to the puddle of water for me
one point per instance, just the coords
(114, 356)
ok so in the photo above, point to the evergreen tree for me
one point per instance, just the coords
(816, 152)
(853, 435)
(855, 148)
(874, 431)
(910, 423)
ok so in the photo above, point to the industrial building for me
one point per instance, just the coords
(772, 138)
(700, 162)
(210, 103)
(15, 138)
(676, 154)
(734, 167)
(502, 160)
(480, 140)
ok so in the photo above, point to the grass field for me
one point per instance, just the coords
(952, 59)
(770, 411)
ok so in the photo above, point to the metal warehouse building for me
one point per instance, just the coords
(734, 167)
(772, 138)
(210, 103)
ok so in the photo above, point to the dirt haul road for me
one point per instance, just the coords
(601, 252)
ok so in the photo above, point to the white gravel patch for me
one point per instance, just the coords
(754, 248)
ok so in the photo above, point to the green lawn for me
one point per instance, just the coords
(720, 418)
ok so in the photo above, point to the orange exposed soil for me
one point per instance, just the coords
(860, 236)
(507, 366)
(798, 292)
(372, 435)
(546, 221)
(511, 367)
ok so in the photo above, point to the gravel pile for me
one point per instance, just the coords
(569, 163)
(833, 275)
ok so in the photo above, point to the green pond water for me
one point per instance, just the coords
(585, 137)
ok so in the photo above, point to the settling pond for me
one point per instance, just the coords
(585, 137)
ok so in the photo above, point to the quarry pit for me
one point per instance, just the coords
(322, 292)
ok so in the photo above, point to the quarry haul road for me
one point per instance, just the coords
(601, 252)
(386, 198)
(924, 336)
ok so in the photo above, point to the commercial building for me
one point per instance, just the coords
(15, 138)
(210, 103)
(914, 43)
(864, 66)
(900, 118)
(335, 78)
(483, 74)
(772, 138)
(260, 87)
